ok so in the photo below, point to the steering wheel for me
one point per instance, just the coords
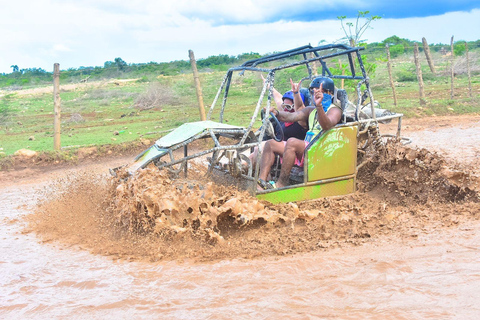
(271, 129)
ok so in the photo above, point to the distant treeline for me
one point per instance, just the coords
(121, 69)
(400, 46)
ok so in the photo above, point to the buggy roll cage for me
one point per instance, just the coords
(246, 138)
(319, 54)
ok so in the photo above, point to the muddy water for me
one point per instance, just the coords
(433, 274)
(457, 144)
(436, 275)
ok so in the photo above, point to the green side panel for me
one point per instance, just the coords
(189, 130)
(333, 155)
(336, 188)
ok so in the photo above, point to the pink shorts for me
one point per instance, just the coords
(298, 162)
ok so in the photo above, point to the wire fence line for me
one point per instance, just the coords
(417, 63)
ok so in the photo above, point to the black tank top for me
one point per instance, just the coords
(295, 130)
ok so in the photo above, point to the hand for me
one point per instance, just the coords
(295, 87)
(318, 95)
(272, 110)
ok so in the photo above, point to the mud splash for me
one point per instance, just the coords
(402, 192)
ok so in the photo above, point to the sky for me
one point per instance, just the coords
(76, 33)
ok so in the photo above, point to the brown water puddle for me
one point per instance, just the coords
(435, 274)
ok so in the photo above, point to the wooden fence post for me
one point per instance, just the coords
(426, 49)
(392, 84)
(452, 73)
(56, 106)
(419, 74)
(197, 86)
(468, 71)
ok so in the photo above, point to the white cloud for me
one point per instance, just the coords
(436, 29)
(90, 32)
(61, 48)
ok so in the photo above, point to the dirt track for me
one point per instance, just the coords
(392, 251)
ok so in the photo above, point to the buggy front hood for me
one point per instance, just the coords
(191, 129)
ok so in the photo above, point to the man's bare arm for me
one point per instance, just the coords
(330, 119)
(301, 115)
(326, 120)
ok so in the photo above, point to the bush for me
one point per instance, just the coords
(397, 50)
(406, 75)
(459, 49)
(143, 79)
(156, 96)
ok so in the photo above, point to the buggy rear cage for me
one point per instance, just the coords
(320, 55)
(341, 49)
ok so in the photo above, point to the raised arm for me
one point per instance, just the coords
(277, 96)
(326, 120)
(297, 98)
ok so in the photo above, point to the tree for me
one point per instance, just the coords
(354, 37)
(120, 64)
(14, 67)
(108, 64)
(459, 48)
(393, 40)
(396, 50)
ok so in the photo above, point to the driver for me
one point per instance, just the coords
(292, 101)
(322, 116)
(293, 129)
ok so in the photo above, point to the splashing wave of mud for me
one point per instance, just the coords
(151, 202)
(152, 217)
(416, 175)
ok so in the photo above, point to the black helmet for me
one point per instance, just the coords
(327, 84)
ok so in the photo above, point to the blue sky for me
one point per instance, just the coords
(74, 33)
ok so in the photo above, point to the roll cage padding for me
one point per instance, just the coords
(341, 95)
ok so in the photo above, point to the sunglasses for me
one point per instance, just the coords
(288, 107)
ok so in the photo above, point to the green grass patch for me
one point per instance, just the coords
(93, 114)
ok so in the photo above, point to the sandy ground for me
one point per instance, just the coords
(404, 247)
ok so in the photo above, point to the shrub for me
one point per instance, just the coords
(406, 75)
(156, 96)
(459, 49)
(397, 50)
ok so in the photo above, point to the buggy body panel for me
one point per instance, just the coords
(332, 155)
(329, 168)
(191, 129)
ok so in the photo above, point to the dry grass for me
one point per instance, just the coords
(155, 96)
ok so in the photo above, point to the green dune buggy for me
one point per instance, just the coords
(330, 165)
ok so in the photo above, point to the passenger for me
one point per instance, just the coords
(322, 116)
(292, 101)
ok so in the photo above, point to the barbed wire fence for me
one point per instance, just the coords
(441, 65)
